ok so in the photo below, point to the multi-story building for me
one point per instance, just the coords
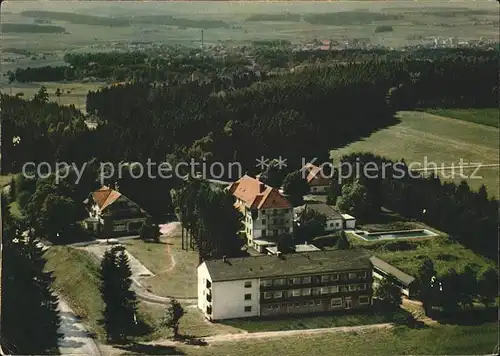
(113, 214)
(266, 212)
(296, 283)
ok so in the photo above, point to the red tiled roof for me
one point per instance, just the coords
(256, 195)
(105, 196)
(314, 176)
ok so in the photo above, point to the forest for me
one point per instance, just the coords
(301, 115)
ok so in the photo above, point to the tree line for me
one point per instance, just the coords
(469, 217)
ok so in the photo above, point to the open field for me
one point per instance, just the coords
(74, 93)
(172, 279)
(410, 21)
(423, 138)
(436, 340)
(488, 117)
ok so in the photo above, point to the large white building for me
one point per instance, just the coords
(284, 284)
(266, 212)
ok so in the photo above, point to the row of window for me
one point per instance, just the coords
(314, 291)
(311, 279)
(334, 303)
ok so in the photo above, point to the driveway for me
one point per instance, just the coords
(75, 339)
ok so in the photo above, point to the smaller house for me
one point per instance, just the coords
(113, 214)
(349, 221)
(318, 183)
(382, 269)
(334, 220)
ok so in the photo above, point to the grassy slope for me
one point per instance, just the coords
(422, 136)
(488, 117)
(77, 280)
(450, 340)
(178, 281)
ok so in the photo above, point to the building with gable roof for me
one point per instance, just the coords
(266, 212)
(113, 214)
(318, 183)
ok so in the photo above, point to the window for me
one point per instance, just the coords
(264, 233)
(268, 295)
(334, 289)
(248, 297)
(319, 302)
(336, 302)
(364, 299)
(311, 303)
(361, 286)
(337, 224)
(270, 308)
(267, 282)
(352, 287)
(296, 280)
(324, 278)
(335, 277)
(331, 224)
(363, 274)
(278, 294)
(279, 282)
(297, 305)
(306, 304)
(296, 292)
(248, 309)
(315, 291)
(307, 280)
(324, 290)
(306, 291)
(352, 275)
(263, 221)
(248, 284)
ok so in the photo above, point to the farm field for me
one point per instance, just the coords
(423, 138)
(73, 93)
(488, 117)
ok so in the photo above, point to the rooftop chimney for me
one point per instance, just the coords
(262, 187)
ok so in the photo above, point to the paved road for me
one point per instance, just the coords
(76, 340)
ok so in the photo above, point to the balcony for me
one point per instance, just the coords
(341, 293)
(209, 298)
(209, 310)
(315, 281)
(208, 284)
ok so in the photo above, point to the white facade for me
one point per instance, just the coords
(267, 223)
(227, 299)
(350, 221)
(334, 225)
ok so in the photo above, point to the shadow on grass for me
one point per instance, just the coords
(470, 317)
(144, 349)
(192, 340)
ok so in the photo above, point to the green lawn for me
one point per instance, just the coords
(170, 280)
(436, 340)
(488, 117)
(421, 137)
(292, 322)
(192, 324)
(407, 254)
(76, 275)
